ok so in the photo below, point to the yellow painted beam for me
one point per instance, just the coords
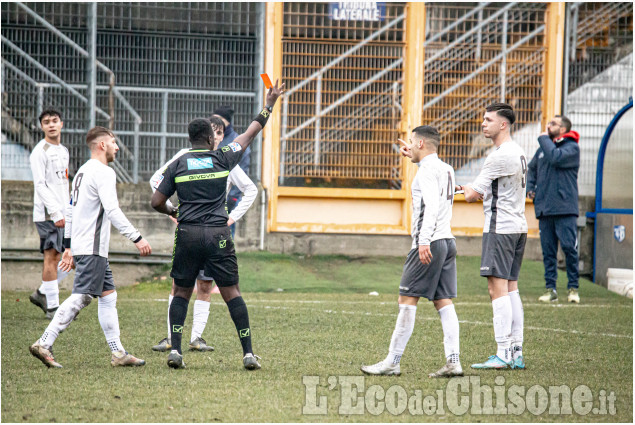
(323, 192)
(554, 60)
(413, 90)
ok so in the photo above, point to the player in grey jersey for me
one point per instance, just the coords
(430, 269)
(502, 186)
(49, 166)
(87, 236)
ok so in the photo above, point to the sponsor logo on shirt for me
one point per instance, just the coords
(159, 180)
(404, 288)
(235, 147)
(199, 163)
(485, 268)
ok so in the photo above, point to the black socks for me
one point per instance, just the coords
(238, 313)
(178, 312)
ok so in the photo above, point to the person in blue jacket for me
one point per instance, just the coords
(226, 113)
(552, 182)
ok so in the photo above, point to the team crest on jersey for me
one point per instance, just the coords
(199, 163)
(619, 233)
(235, 147)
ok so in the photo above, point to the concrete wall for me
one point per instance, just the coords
(18, 231)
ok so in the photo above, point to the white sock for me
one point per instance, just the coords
(503, 326)
(201, 313)
(63, 317)
(401, 335)
(518, 321)
(61, 274)
(450, 324)
(109, 321)
(52, 292)
(170, 297)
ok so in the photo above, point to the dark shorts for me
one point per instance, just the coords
(92, 275)
(434, 281)
(210, 249)
(50, 236)
(502, 255)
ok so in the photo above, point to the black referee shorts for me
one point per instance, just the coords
(204, 248)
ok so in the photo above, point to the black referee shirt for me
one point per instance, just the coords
(199, 179)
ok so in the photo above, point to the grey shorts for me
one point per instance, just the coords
(50, 236)
(434, 281)
(92, 275)
(502, 255)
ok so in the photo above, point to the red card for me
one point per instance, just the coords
(266, 80)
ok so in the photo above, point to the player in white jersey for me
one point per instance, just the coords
(430, 269)
(94, 208)
(238, 178)
(502, 186)
(49, 166)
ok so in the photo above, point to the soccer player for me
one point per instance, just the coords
(49, 166)
(94, 208)
(237, 178)
(430, 268)
(502, 186)
(203, 240)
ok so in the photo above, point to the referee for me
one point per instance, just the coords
(202, 239)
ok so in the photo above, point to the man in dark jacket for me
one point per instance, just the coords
(226, 113)
(552, 183)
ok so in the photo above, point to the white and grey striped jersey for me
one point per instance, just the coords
(237, 177)
(432, 200)
(49, 166)
(503, 184)
(94, 207)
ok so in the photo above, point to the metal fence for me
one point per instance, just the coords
(493, 53)
(598, 75)
(341, 113)
(172, 62)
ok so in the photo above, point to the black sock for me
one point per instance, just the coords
(178, 311)
(238, 312)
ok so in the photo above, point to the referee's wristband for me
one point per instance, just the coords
(263, 116)
(66, 242)
(138, 239)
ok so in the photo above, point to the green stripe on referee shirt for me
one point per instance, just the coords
(207, 176)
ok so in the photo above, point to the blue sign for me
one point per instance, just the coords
(357, 11)
(619, 233)
(199, 163)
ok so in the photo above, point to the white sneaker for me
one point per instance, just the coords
(382, 368)
(448, 370)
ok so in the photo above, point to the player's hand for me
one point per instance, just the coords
(405, 149)
(60, 223)
(531, 194)
(230, 221)
(144, 247)
(173, 219)
(274, 93)
(425, 255)
(544, 133)
(67, 263)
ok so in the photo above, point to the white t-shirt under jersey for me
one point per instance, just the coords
(49, 166)
(503, 184)
(237, 177)
(432, 199)
(94, 207)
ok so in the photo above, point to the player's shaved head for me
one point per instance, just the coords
(95, 134)
(429, 134)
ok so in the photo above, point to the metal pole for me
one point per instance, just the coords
(283, 139)
(479, 35)
(135, 162)
(40, 100)
(260, 64)
(164, 128)
(568, 24)
(503, 71)
(92, 63)
(318, 107)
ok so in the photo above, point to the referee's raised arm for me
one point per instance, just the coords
(259, 122)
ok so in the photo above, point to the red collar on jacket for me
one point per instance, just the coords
(570, 135)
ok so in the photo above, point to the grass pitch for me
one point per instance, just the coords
(314, 317)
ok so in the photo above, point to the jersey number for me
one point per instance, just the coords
(78, 182)
(523, 164)
(450, 196)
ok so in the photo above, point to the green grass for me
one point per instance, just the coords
(323, 323)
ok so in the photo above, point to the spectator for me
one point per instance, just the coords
(553, 185)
